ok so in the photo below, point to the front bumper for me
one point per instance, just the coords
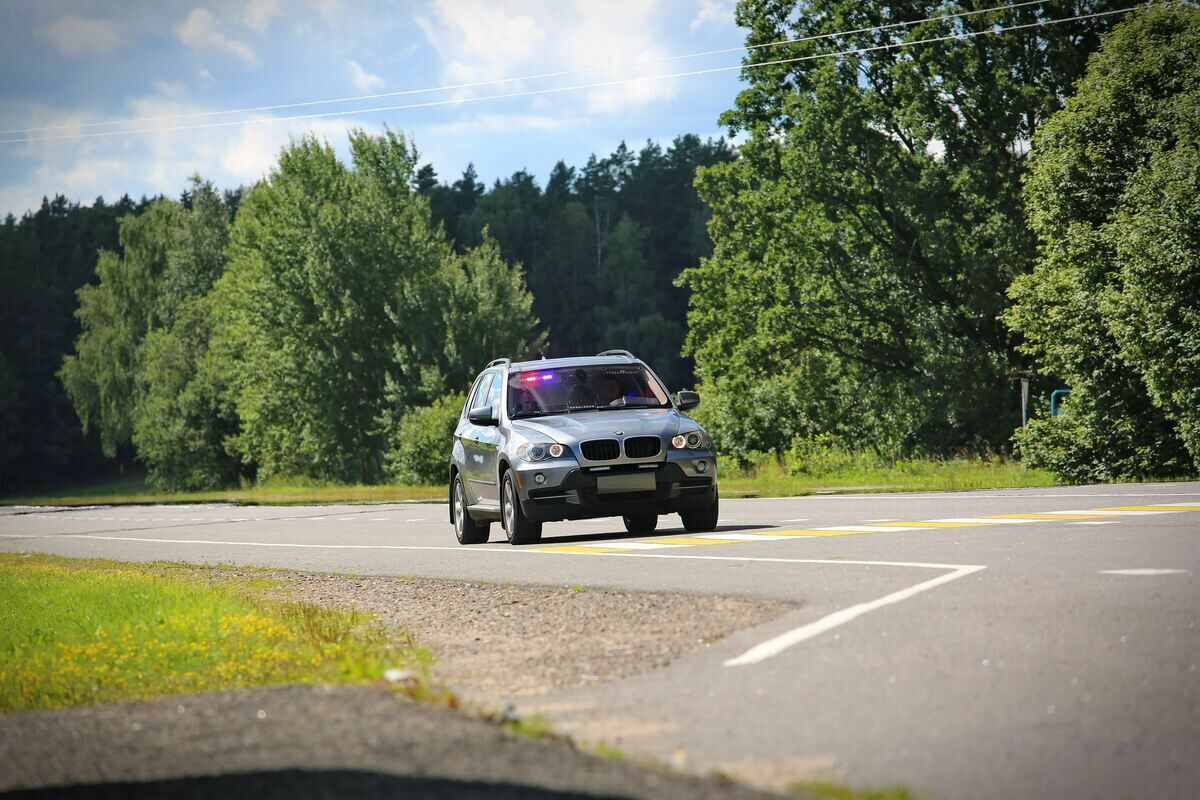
(570, 491)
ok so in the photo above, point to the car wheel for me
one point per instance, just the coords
(702, 520)
(466, 530)
(640, 523)
(518, 527)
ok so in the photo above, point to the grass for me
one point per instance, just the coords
(75, 632)
(135, 491)
(770, 477)
(826, 790)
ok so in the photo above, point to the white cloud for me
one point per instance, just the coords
(259, 12)
(159, 163)
(364, 81)
(478, 40)
(501, 123)
(202, 31)
(713, 12)
(77, 37)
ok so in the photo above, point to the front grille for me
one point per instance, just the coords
(601, 449)
(642, 446)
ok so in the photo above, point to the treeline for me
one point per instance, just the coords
(292, 339)
(44, 258)
(891, 256)
(602, 245)
(316, 324)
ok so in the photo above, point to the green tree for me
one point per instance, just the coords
(172, 255)
(633, 302)
(1112, 307)
(873, 220)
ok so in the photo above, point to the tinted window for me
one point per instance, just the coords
(567, 389)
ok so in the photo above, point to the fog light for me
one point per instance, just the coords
(701, 466)
(539, 479)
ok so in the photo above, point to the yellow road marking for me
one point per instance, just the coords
(924, 524)
(1045, 516)
(691, 540)
(574, 548)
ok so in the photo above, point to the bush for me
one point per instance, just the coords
(419, 447)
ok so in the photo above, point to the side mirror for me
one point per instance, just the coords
(482, 415)
(687, 400)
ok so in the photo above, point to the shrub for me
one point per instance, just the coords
(419, 447)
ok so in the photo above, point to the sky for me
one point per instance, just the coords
(74, 68)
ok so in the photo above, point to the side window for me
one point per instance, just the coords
(474, 400)
(493, 395)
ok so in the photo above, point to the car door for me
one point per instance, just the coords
(481, 444)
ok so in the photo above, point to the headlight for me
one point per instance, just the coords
(690, 441)
(540, 452)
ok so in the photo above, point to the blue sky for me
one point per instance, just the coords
(70, 65)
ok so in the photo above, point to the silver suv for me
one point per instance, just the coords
(576, 438)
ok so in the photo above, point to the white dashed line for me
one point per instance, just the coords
(1097, 522)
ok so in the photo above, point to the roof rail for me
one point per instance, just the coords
(496, 361)
(625, 353)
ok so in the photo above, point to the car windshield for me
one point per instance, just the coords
(567, 389)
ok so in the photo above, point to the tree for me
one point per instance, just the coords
(873, 220)
(631, 316)
(1113, 306)
(130, 349)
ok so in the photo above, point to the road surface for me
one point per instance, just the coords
(995, 644)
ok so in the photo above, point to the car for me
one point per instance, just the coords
(578, 438)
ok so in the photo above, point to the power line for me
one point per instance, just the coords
(582, 86)
(539, 76)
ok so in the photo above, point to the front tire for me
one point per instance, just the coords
(518, 527)
(466, 530)
(640, 523)
(702, 520)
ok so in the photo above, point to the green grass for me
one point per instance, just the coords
(134, 491)
(770, 477)
(826, 790)
(76, 632)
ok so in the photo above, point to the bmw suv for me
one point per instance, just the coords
(578, 438)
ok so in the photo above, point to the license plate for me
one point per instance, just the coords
(629, 482)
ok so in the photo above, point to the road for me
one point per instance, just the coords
(1018, 643)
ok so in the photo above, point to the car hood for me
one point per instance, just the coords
(581, 426)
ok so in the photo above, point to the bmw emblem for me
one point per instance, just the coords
(619, 433)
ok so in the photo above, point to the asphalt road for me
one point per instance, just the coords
(1026, 643)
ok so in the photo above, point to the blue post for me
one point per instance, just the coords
(1055, 407)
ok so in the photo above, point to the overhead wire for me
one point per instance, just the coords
(538, 76)
(582, 86)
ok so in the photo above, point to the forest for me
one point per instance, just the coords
(897, 238)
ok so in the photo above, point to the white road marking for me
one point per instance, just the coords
(1099, 512)
(418, 519)
(1097, 522)
(987, 520)
(1144, 571)
(873, 528)
(797, 519)
(741, 537)
(882, 519)
(775, 646)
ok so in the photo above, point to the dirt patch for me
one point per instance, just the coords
(521, 641)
